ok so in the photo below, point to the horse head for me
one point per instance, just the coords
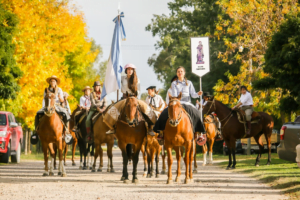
(131, 110)
(175, 110)
(210, 106)
(49, 103)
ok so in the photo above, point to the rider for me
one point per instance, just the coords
(130, 84)
(53, 82)
(97, 104)
(65, 104)
(246, 104)
(206, 96)
(155, 100)
(170, 89)
(187, 89)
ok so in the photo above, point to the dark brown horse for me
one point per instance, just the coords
(50, 131)
(232, 129)
(100, 137)
(179, 132)
(130, 130)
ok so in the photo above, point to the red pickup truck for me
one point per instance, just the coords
(11, 138)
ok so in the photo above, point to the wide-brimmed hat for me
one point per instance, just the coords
(151, 87)
(206, 94)
(96, 83)
(129, 65)
(53, 77)
(86, 88)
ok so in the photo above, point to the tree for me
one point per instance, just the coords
(252, 23)
(9, 72)
(282, 63)
(188, 18)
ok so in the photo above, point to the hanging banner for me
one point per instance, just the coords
(200, 55)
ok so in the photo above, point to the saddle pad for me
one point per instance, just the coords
(82, 117)
(95, 117)
(243, 121)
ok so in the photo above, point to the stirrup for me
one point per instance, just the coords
(112, 131)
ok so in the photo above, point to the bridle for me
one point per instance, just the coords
(50, 110)
(136, 117)
(177, 120)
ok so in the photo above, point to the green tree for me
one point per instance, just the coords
(9, 72)
(188, 18)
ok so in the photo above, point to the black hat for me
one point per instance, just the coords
(206, 94)
(96, 83)
(173, 79)
(151, 87)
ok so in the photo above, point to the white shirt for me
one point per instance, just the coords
(156, 102)
(203, 104)
(187, 90)
(59, 92)
(124, 85)
(85, 102)
(167, 98)
(246, 99)
(68, 107)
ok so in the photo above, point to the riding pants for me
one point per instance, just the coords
(248, 110)
(88, 122)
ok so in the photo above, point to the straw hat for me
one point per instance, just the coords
(87, 88)
(53, 77)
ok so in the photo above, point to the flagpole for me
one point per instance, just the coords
(119, 20)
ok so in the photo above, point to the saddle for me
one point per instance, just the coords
(255, 117)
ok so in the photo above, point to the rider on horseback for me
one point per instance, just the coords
(97, 105)
(246, 104)
(155, 100)
(170, 89)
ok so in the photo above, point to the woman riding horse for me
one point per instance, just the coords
(97, 105)
(170, 89)
(187, 89)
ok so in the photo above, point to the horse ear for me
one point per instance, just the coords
(179, 96)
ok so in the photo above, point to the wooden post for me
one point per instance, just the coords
(25, 140)
(28, 142)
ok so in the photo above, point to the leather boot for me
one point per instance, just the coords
(248, 128)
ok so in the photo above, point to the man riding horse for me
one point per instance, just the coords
(246, 104)
(154, 100)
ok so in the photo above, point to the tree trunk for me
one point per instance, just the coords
(26, 140)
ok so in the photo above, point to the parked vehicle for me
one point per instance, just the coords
(11, 138)
(238, 148)
(289, 139)
(275, 139)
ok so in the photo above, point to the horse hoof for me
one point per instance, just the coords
(108, 170)
(187, 181)
(195, 171)
(112, 171)
(80, 167)
(148, 175)
(177, 180)
(135, 181)
(257, 165)
(73, 164)
(84, 168)
(232, 167)
(54, 168)
(65, 164)
(163, 172)
(152, 174)
(157, 176)
(126, 181)
(45, 174)
(227, 168)
(64, 175)
(203, 164)
(122, 178)
(59, 173)
(169, 181)
(191, 180)
(93, 170)
(51, 174)
(99, 170)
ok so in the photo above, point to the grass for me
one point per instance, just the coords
(281, 174)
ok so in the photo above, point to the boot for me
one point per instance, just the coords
(68, 137)
(248, 128)
(219, 135)
(74, 128)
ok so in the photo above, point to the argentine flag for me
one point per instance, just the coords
(114, 68)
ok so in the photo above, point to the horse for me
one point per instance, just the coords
(100, 137)
(86, 150)
(50, 131)
(130, 130)
(233, 129)
(179, 132)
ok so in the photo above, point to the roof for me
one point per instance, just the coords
(4, 112)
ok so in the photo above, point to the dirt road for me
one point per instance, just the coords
(25, 181)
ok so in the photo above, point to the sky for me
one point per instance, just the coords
(139, 44)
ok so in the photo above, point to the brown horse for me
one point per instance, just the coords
(232, 129)
(50, 131)
(100, 137)
(130, 130)
(179, 132)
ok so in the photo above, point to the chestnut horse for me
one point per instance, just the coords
(179, 132)
(232, 129)
(100, 137)
(130, 130)
(50, 131)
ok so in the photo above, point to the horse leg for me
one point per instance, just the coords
(157, 161)
(92, 155)
(181, 154)
(129, 152)
(188, 146)
(170, 162)
(124, 177)
(195, 158)
(178, 157)
(163, 156)
(84, 155)
(110, 157)
(75, 141)
(268, 139)
(53, 157)
(210, 152)
(101, 159)
(61, 166)
(191, 162)
(261, 148)
(95, 158)
(45, 150)
(65, 148)
(144, 153)
(88, 158)
(81, 152)
(204, 149)
(135, 161)
(149, 163)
